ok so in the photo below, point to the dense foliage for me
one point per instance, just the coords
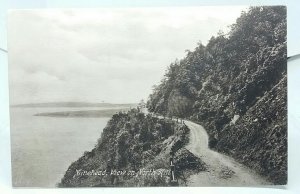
(231, 86)
(131, 141)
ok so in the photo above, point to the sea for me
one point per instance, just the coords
(43, 147)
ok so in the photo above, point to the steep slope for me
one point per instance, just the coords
(134, 150)
(259, 138)
(230, 86)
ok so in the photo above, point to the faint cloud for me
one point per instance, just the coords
(115, 55)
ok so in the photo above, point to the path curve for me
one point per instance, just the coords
(221, 169)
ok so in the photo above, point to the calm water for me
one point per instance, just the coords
(44, 147)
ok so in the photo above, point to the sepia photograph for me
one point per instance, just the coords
(148, 96)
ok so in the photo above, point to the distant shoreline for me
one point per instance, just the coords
(83, 113)
(72, 104)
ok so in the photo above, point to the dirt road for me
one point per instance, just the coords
(222, 170)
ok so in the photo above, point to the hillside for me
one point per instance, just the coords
(236, 87)
(134, 150)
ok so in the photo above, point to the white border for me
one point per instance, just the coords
(293, 8)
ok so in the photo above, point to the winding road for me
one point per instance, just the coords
(221, 169)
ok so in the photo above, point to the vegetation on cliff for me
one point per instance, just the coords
(134, 150)
(236, 87)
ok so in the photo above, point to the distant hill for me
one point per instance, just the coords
(73, 104)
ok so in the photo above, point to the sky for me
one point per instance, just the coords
(111, 55)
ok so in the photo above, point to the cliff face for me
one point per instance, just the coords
(134, 150)
(236, 87)
(259, 138)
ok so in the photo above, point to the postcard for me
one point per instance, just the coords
(148, 96)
